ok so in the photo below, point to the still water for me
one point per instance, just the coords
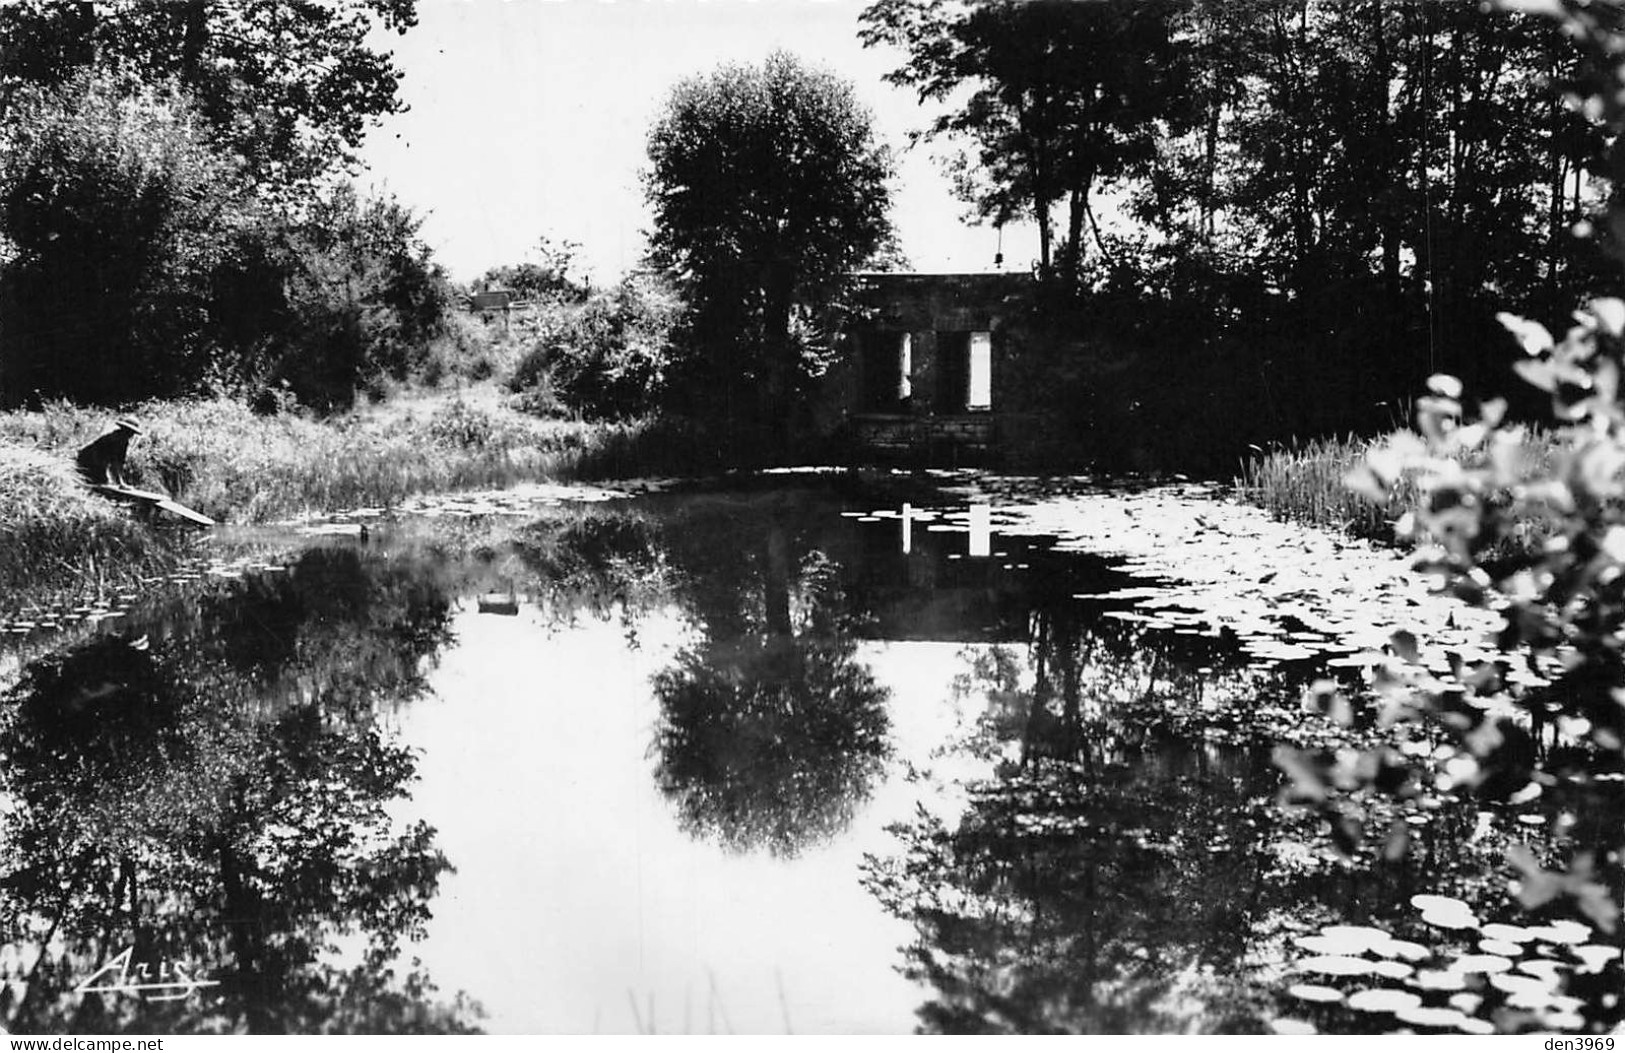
(809, 756)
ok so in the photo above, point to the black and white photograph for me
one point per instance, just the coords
(812, 517)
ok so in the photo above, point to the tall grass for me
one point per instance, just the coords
(220, 458)
(1306, 483)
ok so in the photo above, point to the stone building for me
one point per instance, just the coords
(930, 369)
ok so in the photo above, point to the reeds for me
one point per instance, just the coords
(1305, 482)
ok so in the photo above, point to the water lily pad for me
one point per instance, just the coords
(1450, 919)
(1440, 980)
(1505, 948)
(1428, 902)
(1467, 1003)
(1568, 932)
(1362, 937)
(1315, 993)
(1288, 1026)
(1392, 970)
(1335, 965)
(1513, 983)
(1403, 949)
(1383, 1000)
(1482, 963)
(1561, 1021)
(1321, 944)
(1545, 969)
(1429, 1016)
(1510, 933)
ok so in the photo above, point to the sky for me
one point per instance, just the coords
(528, 119)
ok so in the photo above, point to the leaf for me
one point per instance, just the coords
(1542, 375)
(1535, 338)
(1445, 384)
(1610, 314)
(1383, 1000)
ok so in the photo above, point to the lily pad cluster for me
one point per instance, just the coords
(1460, 975)
(1286, 591)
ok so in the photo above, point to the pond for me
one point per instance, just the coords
(806, 754)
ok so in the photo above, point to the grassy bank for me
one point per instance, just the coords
(235, 466)
(225, 461)
(58, 543)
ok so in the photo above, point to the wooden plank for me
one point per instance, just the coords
(152, 499)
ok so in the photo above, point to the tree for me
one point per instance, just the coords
(1063, 97)
(115, 214)
(221, 795)
(290, 88)
(363, 295)
(768, 189)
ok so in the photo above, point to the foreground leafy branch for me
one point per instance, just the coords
(1543, 710)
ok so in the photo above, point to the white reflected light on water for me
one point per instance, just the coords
(579, 904)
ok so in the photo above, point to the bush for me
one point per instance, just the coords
(604, 359)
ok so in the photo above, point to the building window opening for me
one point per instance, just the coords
(905, 368)
(964, 372)
(981, 372)
(888, 365)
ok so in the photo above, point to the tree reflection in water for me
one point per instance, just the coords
(215, 796)
(771, 733)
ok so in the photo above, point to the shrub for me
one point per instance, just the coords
(604, 359)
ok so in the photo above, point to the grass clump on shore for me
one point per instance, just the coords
(1308, 483)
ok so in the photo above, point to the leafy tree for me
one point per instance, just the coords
(1062, 98)
(289, 88)
(115, 215)
(364, 298)
(768, 189)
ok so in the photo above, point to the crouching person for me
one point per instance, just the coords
(102, 462)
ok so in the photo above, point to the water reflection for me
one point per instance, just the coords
(730, 749)
(770, 739)
(212, 794)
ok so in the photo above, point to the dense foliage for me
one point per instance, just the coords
(1540, 715)
(114, 215)
(768, 190)
(605, 358)
(170, 216)
(1330, 204)
(288, 89)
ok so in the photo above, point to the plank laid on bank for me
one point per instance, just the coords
(152, 499)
